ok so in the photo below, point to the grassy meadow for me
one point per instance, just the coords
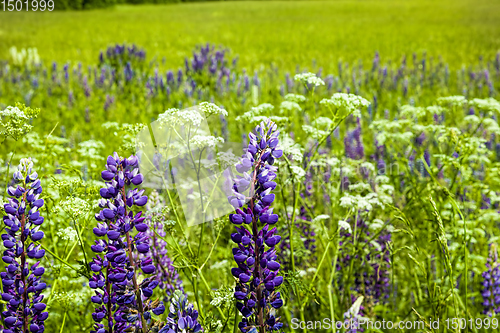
(368, 188)
(287, 33)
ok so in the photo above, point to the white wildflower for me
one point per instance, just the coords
(15, 121)
(290, 148)
(202, 141)
(173, 117)
(345, 225)
(255, 112)
(75, 207)
(212, 109)
(487, 104)
(298, 172)
(295, 98)
(23, 57)
(348, 102)
(321, 217)
(452, 100)
(310, 79)
(290, 107)
(227, 158)
(67, 234)
(91, 149)
(359, 187)
(314, 132)
(322, 122)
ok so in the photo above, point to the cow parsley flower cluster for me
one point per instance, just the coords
(15, 121)
(309, 79)
(351, 103)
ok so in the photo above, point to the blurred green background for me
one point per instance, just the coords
(285, 33)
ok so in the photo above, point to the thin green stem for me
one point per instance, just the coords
(63, 322)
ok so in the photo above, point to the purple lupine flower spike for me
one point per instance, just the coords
(22, 285)
(121, 300)
(182, 317)
(353, 142)
(372, 270)
(491, 285)
(257, 268)
(166, 274)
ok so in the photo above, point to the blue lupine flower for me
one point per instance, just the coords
(257, 268)
(182, 317)
(117, 290)
(491, 285)
(22, 285)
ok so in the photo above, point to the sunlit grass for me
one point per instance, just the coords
(285, 32)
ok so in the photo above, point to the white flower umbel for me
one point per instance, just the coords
(290, 148)
(67, 234)
(295, 98)
(75, 207)
(452, 100)
(298, 172)
(288, 106)
(15, 121)
(28, 57)
(487, 104)
(345, 225)
(212, 109)
(174, 117)
(349, 102)
(309, 79)
(91, 149)
(256, 113)
(202, 141)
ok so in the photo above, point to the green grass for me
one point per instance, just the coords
(284, 32)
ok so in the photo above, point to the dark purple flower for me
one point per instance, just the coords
(258, 269)
(182, 317)
(115, 268)
(24, 308)
(166, 274)
(491, 285)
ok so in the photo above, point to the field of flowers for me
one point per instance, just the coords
(137, 197)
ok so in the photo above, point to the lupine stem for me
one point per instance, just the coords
(295, 201)
(257, 268)
(109, 304)
(57, 257)
(138, 296)
(236, 315)
(23, 265)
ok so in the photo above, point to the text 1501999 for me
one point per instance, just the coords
(27, 5)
